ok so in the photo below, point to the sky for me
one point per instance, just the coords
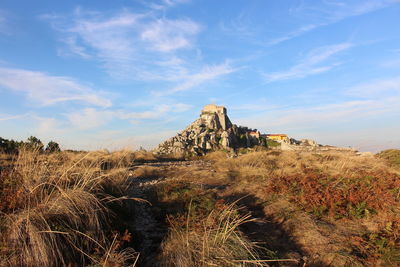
(131, 73)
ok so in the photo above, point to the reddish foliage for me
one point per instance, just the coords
(12, 193)
(339, 195)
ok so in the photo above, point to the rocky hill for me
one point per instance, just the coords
(215, 131)
(212, 131)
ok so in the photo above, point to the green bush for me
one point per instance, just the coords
(34, 143)
(9, 146)
(272, 143)
(392, 156)
(52, 147)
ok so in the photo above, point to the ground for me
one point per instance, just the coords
(265, 208)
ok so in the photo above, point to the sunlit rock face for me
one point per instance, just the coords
(212, 131)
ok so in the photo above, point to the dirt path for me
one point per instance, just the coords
(151, 229)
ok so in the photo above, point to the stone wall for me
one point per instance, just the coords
(214, 109)
(212, 131)
(220, 111)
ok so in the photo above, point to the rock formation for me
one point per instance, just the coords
(212, 131)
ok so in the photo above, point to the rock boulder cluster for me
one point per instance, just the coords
(212, 131)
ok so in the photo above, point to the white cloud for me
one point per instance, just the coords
(331, 12)
(167, 35)
(377, 89)
(4, 28)
(4, 117)
(129, 45)
(366, 7)
(49, 128)
(74, 48)
(135, 46)
(314, 63)
(329, 123)
(180, 107)
(360, 122)
(90, 118)
(294, 33)
(208, 73)
(47, 90)
(390, 63)
(164, 4)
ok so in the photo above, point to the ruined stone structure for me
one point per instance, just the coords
(220, 111)
(212, 131)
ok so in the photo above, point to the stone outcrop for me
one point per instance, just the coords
(212, 131)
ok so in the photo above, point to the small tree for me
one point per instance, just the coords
(9, 146)
(34, 143)
(52, 147)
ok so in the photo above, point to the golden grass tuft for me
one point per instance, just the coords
(216, 241)
(59, 212)
(392, 156)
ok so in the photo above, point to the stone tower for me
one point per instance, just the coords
(220, 111)
(211, 132)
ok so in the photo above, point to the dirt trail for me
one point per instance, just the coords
(151, 229)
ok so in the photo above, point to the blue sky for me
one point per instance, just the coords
(114, 74)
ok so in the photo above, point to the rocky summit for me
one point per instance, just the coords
(212, 131)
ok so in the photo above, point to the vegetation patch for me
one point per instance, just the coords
(392, 156)
(57, 210)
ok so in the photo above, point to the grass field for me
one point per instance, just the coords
(262, 208)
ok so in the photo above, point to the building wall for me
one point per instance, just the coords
(221, 112)
(214, 108)
(277, 137)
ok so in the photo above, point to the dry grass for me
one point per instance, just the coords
(358, 196)
(338, 207)
(211, 241)
(392, 156)
(56, 207)
(147, 172)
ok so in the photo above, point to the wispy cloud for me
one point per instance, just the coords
(74, 48)
(4, 20)
(4, 117)
(329, 123)
(377, 89)
(317, 61)
(391, 63)
(48, 90)
(295, 33)
(168, 35)
(90, 118)
(164, 4)
(331, 12)
(206, 74)
(371, 106)
(141, 46)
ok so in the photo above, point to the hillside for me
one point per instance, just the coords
(265, 208)
(214, 131)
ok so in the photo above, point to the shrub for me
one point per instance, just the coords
(392, 156)
(272, 143)
(212, 241)
(9, 146)
(55, 209)
(34, 143)
(52, 147)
